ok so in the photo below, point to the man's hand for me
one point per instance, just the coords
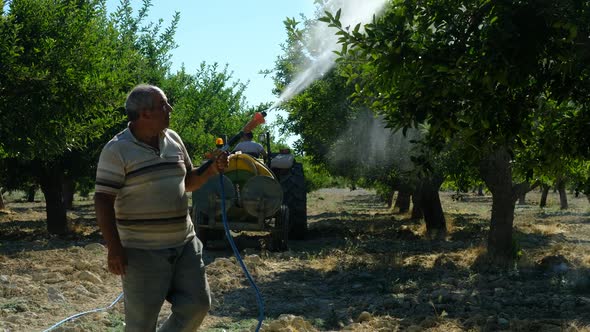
(222, 161)
(104, 205)
(117, 259)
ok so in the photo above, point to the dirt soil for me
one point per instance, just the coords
(363, 267)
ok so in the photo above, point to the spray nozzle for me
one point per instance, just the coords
(257, 119)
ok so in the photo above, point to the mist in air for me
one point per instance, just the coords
(368, 143)
(323, 39)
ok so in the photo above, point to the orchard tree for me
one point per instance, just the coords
(581, 178)
(58, 88)
(320, 114)
(351, 141)
(475, 69)
(207, 104)
(65, 71)
(151, 42)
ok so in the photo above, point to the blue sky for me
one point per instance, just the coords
(245, 34)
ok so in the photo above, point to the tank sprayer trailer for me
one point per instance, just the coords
(260, 196)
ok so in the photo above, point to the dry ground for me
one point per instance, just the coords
(362, 268)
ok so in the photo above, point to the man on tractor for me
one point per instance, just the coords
(250, 147)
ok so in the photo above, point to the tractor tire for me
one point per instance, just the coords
(280, 232)
(205, 234)
(295, 197)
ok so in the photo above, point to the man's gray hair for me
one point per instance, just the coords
(140, 98)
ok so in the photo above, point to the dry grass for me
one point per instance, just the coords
(550, 229)
(465, 258)
(353, 242)
(325, 264)
(546, 229)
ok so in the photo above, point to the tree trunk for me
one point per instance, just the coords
(426, 195)
(480, 190)
(522, 199)
(403, 201)
(416, 208)
(390, 200)
(497, 174)
(2, 206)
(68, 186)
(31, 194)
(562, 194)
(588, 197)
(51, 184)
(544, 194)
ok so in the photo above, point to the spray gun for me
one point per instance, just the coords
(256, 120)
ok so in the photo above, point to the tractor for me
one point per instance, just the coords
(260, 196)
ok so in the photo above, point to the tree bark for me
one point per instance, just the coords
(68, 186)
(522, 199)
(51, 178)
(31, 194)
(544, 194)
(497, 174)
(416, 208)
(2, 205)
(480, 190)
(390, 200)
(562, 194)
(403, 201)
(427, 198)
(526, 187)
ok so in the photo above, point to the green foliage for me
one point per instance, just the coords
(581, 176)
(473, 68)
(474, 72)
(479, 74)
(475, 77)
(66, 68)
(517, 250)
(319, 114)
(150, 41)
(553, 131)
(344, 138)
(317, 176)
(116, 322)
(207, 105)
(58, 82)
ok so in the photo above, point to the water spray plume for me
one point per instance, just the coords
(324, 42)
(368, 142)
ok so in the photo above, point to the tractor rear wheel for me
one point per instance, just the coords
(295, 197)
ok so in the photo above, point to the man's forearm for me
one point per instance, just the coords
(105, 215)
(193, 181)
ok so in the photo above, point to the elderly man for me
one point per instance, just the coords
(142, 210)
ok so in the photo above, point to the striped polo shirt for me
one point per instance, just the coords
(151, 205)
